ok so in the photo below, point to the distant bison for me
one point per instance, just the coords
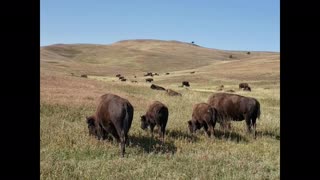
(135, 76)
(134, 81)
(118, 75)
(123, 79)
(173, 93)
(148, 74)
(156, 115)
(237, 108)
(205, 116)
(192, 72)
(156, 74)
(185, 83)
(84, 76)
(167, 73)
(113, 115)
(149, 80)
(221, 86)
(156, 87)
(243, 85)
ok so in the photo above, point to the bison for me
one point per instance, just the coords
(171, 92)
(185, 83)
(149, 80)
(148, 74)
(192, 72)
(123, 79)
(133, 81)
(113, 115)
(203, 115)
(167, 73)
(243, 85)
(156, 87)
(156, 74)
(237, 108)
(118, 75)
(156, 115)
(247, 88)
(84, 75)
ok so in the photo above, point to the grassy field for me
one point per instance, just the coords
(67, 151)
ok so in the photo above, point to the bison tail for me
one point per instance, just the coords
(258, 110)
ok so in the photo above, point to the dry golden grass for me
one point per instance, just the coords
(67, 152)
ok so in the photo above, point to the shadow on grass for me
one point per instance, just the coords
(268, 133)
(231, 135)
(153, 145)
(175, 134)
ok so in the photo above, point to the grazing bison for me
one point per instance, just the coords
(247, 88)
(156, 115)
(113, 115)
(118, 75)
(192, 72)
(148, 74)
(205, 116)
(237, 108)
(84, 76)
(167, 73)
(185, 83)
(156, 87)
(149, 80)
(243, 85)
(171, 92)
(123, 79)
(135, 76)
(156, 74)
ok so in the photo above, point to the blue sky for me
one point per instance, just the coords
(223, 24)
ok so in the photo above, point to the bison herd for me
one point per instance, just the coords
(114, 116)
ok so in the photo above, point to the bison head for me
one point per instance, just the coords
(91, 125)
(144, 123)
(193, 126)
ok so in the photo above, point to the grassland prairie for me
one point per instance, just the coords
(67, 151)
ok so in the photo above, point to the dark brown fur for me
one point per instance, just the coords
(84, 76)
(156, 87)
(113, 115)
(205, 116)
(185, 83)
(118, 75)
(149, 80)
(237, 108)
(156, 115)
(123, 79)
(243, 85)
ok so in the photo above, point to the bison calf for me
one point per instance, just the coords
(205, 116)
(156, 115)
(113, 115)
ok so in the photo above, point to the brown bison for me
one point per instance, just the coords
(118, 75)
(113, 115)
(134, 81)
(148, 74)
(123, 79)
(167, 73)
(171, 92)
(84, 76)
(203, 115)
(156, 87)
(192, 72)
(243, 85)
(156, 115)
(237, 108)
(185, 83)
(149, 80)
(156, 74)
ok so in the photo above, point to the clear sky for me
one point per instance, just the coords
(223, 24)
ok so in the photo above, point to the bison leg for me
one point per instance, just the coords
(254, 127)
(151, 128)
(249, 124)
(162, 132)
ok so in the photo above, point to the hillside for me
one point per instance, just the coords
(139, 56)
